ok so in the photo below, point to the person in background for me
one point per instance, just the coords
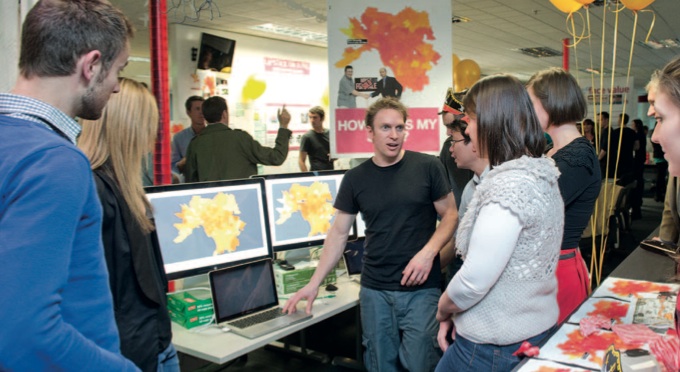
(180, 141)
(54, 271)
(387, 86)
(466, 157)
(559, 105)
(347, 95)
(222, 153)
(588, 130)
(638, 169)
(399, 194)
(509, 238)
(315, 144)
(620, 157)
(457, 177)
(116, 145)
(604, 135)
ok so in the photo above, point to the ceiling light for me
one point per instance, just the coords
(540, 52)
(303, 35)
(457, 19)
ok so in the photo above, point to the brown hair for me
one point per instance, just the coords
(58, 32)
(213, 108)
(507, 127)
(119, 141)
(385, 104)
(669, 80)
(560, 95)
(319, 111)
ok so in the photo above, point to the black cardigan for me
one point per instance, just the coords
(136, 277)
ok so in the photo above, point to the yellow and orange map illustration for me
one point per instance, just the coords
(218, 217)
(313, 202)
(400, 39)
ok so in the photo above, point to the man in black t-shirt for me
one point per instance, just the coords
(315, 144)
(610, 149)
(399, 193)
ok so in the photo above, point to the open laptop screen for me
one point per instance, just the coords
(243, 289)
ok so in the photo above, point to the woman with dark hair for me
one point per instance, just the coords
(588, 126)
(559, 105)
(506, 291)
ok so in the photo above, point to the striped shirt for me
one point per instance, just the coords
(31, 109)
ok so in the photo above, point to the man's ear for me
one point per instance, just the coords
(90, 64)
(369, 133)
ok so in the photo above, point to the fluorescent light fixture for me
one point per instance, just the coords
(139, 59)
(297, 33)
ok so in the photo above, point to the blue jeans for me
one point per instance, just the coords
(168, 360)
(400, 329)
(465, 355)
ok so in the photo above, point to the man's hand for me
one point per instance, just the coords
(284, 117)
(181, 164)
(445, 328)
(308, 292)
(418, 269)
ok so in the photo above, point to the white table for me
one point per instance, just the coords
(216, 346)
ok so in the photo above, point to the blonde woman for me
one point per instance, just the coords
(116, 145)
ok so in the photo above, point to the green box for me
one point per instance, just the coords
(191, 321)
(190, 303)
(290, 281)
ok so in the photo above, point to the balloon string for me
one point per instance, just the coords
(651, 26)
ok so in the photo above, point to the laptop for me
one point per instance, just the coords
(353, 255)
(245, 300)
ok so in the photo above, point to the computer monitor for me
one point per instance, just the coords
(201, 227)
(300, 208)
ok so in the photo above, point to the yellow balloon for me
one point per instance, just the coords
(325, 100)
(253, 88)
(467, 73)
(584, 2)
(567, 6)
(636, 4)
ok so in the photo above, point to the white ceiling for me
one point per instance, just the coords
(497, 29)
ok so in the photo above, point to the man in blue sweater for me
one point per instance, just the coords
(57, 312)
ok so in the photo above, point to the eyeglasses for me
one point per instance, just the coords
(453, 141)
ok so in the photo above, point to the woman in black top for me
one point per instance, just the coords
(116, 145)
(559, 105)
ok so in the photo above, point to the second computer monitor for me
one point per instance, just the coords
(300, 208)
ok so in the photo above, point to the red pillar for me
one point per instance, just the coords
(565, 54)
(160, 84)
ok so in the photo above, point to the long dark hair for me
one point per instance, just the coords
(507, 126)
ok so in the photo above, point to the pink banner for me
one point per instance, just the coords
(422, 129)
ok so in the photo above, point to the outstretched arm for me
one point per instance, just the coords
(332, 250)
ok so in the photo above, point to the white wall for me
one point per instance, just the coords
(11, 18)
(297, 90)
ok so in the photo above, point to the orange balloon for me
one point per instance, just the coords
(466, 74)
(566, 6)
(636, 4)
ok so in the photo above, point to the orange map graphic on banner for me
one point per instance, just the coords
(400, 41)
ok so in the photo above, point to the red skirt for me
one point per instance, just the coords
(572, 282)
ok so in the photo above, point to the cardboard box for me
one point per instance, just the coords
(190, 321)
(290, 281)
(191, 303)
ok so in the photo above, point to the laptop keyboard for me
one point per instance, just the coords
(258, 318)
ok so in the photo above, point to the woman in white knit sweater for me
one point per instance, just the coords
(506, 291)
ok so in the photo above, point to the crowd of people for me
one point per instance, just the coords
(89, 292)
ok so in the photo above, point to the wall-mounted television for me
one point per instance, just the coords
(300, 208)
(205, 226)
(216, 53)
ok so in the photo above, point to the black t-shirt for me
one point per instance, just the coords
(579, 184)
(457, 177)
(397, 206)
(317, 147)
(626, 155)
